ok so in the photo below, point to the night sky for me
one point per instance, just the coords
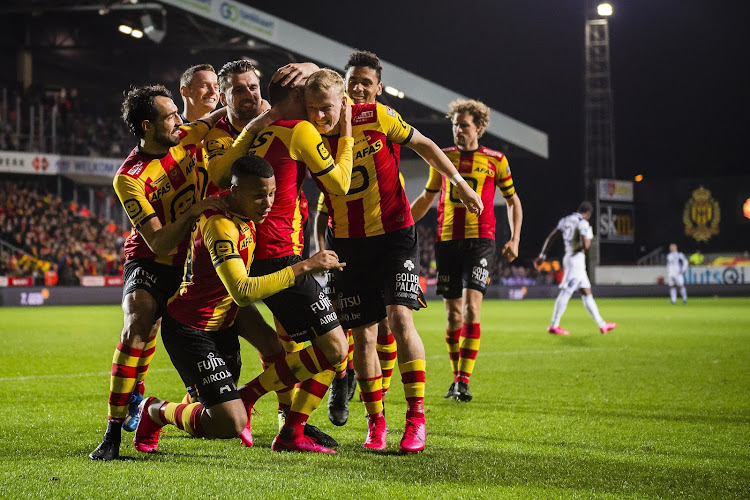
(679, 77)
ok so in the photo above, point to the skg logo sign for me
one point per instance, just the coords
(409, 265)
(229, 12)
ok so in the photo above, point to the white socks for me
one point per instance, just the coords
(560, 304)
(590, 305)
(673, 294)
(683, 293)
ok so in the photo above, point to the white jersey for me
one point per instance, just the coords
(677, 263)
(572, 228)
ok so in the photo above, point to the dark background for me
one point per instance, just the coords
(679, 77)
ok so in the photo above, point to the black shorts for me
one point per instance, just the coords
(209, 363)
(464, 264)
(380, 271)
(160, 280)
(304, 310)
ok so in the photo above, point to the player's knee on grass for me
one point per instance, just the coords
(225, 420)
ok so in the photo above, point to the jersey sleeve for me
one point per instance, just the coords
(307, 146)
(221, 153)
(193, 133)
(322, 208)
(505, 179)
(585, 229)
(220, 237)
(133, 200)
(434, 182)
(395, 128)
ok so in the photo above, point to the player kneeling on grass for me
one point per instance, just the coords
(199, 332)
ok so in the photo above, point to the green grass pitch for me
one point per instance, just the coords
(658, 408)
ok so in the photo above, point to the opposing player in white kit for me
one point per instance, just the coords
(677, 264)
(577, 234)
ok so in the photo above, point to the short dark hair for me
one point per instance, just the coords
(187, 77)
(278, 93)
(138, 106)
(251, 165)
(365, 58)
(233, 68)
(585, 208)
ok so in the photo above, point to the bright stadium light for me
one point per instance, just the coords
(604, 9)
(124, 28)
(639, 178)
(391, 90)
(400, 95)
(137, 34)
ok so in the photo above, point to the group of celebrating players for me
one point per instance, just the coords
(218, 213)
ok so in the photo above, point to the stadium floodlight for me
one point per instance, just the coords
(604, 9)
(155, 34)
(136, 34)
(391, 90)
(124, 28)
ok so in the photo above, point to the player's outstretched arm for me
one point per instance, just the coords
(433, 155)
(515, 218)
(321, 225)
(163, 239)
(320, 262)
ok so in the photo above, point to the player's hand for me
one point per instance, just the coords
(210, 203)
(470, 198)
(509, 251)
(264, 119)
(323, 261)
(345, 120)
(294, 74)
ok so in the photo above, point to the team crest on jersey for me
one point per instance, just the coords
(701, 215)
(409, 264)
(483, 262)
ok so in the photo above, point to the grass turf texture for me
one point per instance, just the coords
(658, 408)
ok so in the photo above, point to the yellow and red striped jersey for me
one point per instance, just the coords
(376, 202)
(222, 149)
(164, 187)
(207, 298)
(483, 169)
(292, 147)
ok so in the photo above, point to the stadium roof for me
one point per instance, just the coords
(80, 36)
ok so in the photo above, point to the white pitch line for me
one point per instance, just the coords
(72, 375)
(484, 354)
(540, 351)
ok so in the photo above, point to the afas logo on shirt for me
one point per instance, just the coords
(369, 150)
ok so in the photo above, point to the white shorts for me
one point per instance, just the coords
(575, 277)
(676, 280)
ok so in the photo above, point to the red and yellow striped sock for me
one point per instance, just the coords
(307, 399)
(186, 417)
(413, 378)
(294, 368)
(371, 390)
(452, 341)
(469, 347)
(350, 354)
(122, 380)
(386, 347)
(285, 395)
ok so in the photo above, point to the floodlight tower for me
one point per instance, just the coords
(599, 138)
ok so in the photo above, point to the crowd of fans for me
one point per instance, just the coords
(49, 234)
(79, 130)
(504, 273)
